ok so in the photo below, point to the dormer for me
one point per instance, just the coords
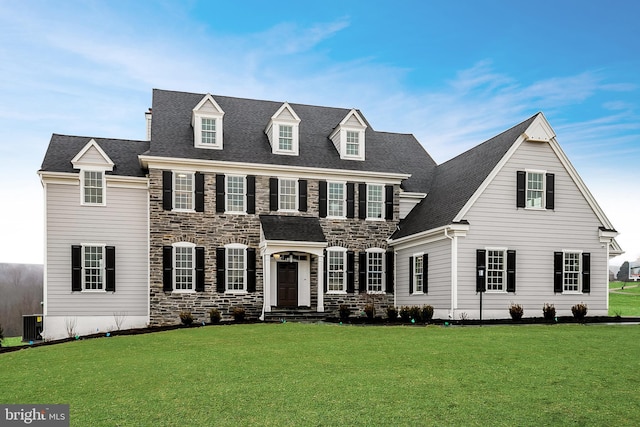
(283, 131)
(207, 124)
(92, 156)
(348, 137)
(93, 162)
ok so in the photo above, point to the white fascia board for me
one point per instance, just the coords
(65, 178)
(285, 106)
(207, 98)
(429, 236)
(269, 247)
(412, 195)
(355, 114)
(119, 181)
(73, 178)
(77, 164)
(240, 168)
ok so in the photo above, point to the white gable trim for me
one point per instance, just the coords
(207, 98)
(196, 121)
(78, 163)
(339, 135)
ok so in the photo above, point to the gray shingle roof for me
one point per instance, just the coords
(245, 141)
(124, 153)
(455, 181)
(292, 228)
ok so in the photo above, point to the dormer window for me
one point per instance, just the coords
(93, 163)
(282, 131)
(348, 137)
(353, 143)
(206, 120)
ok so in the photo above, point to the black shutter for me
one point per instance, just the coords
(362, 272)
(521, 183)
(167, 268)
(511, 270)
(322, 203)
(586, 272)
(220, 193)
(388, 202)
(557, 272)
(110, 269)
(273, 194)
(220, 270)
(481, 270)
(199, 269)
(411, 275)
(550, 196)
(425, 273)
(389, 272)
(199, 184)
(251, 270)
(76, 268)
(362, 201)
(326, 269)
(351, 203)
(167, 190)
(302, 195)
(351, 273)
(251, 194)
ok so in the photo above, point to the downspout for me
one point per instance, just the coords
(454, 272)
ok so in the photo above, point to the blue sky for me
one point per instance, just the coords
(453, 73)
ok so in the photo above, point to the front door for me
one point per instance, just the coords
(287, 284)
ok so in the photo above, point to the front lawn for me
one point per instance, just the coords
(320, 374)
(624, 302)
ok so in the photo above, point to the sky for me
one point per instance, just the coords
(453, 73)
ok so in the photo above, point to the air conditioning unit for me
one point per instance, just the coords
(32, 327)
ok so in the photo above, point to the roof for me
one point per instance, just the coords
(245, 140)
(292, 228)
(124, 153)
(456, 181)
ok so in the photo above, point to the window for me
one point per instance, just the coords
(235, 271)
(93, 187)
(208, 130)
(183, 191)
(285, 142)
(184, 267)
(235, 194)
(93, 267)
(375, 271)
(418, 273)
(336, 261)
(375, 201)
(571, 272)
(535, 190)
(288, 194)
(353, 143)
(495, 269)
(335, 199)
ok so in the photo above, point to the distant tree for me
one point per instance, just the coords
(623, 273)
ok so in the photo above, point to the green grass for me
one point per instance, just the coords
(307, 374)
(12, 341)
(624, 302)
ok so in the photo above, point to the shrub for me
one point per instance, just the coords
(392, 313)
(1, 335)
(416, 313)
(239, 314)
(549, 312)
(370, 311)
(186, 318)
(344, 311)
(214, 315)
(579, 311)
(405, 313)
(427, 313)
(516, 311)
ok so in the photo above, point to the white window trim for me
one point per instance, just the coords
(197, 130)
(579, 253)
(104, 186)
(295, 195)
(102, 269)
(504, 270)
(226, 269)
(344, 270)
(544, 190)
(295, 138)
(193, 191)
(244, 195)
(344, 199)
(382, 208)
(415, 282)
(193, 269)
(343, 137)
(383, 272)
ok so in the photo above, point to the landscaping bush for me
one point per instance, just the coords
(344, 311)
(427, 313)
(516, 311)
(405, 313)
(549, 312)
(214, 315)
(186, 318)
(392, 313)
(239, 314)
(370, 311)
(579, 311)
(1, 335)
(416, 313)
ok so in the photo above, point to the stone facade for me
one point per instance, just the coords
(211, 230)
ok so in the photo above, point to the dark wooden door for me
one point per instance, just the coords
(287, 284)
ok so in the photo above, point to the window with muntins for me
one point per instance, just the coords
(336, 270)
(235, 271)
(495, 270)
(93, 187)
(184, 268)
(375, 272)
(183, 191)
(235, 193)
(285, 140)
(418, 273)
(571, 272)
(353, 143)
(535, 190)
(288, 194)
(208, 131)
(335, 199)
(93, 267)
(375, 201)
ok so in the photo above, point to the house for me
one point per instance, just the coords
(280, 206)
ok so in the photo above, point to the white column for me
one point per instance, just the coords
(266, 282)
(454, 274)
(320, 283)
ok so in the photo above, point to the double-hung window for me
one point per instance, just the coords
(236, 269)
(236, 194)
(375, 271)
(92, 187)
(208, 135)
(535, 190)
(288, 194)
(336, 199)
(375, 201)
(184, 267)
(571, 272)
(93, 267)
(496, 270)
(418, 274)
(183, 191)
(336, 274)
(353, 143)
(285, 140)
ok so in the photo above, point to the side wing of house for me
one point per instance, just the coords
(96, 242)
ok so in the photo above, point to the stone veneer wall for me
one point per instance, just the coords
(212, 230)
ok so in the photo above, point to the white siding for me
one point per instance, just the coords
(93, 156)
(353, 121)
(122, 223)
(535, 235)
(208, 107)
(285, 114)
